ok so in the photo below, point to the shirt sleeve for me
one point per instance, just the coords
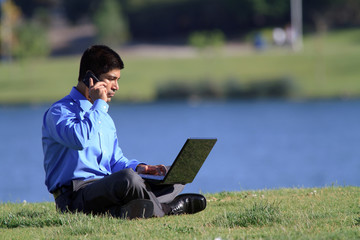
(65, 124)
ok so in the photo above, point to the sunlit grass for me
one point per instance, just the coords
(261, 213)
(316, 213)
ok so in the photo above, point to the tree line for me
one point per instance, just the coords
(167, 19)
(197, 22)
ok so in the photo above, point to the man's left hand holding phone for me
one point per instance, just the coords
(97, 88)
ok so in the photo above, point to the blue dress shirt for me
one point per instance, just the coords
(80, 142)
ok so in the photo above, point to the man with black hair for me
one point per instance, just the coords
(85, 168)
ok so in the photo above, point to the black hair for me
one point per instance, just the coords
(99, 59)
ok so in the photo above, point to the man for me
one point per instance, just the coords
(85, 168)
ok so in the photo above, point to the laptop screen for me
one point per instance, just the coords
(189, 160)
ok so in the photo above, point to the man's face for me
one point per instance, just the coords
(111, 79)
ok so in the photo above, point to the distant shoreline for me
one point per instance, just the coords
(326, 69)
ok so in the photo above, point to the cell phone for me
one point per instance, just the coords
(88, 75)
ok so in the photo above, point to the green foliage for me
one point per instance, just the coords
(161, 19)
(30, 7)
(182, 90)
(270, 7)
(204, 39)
(229, 89)
(281, 87)
(174, 90)
(42, 16)
(259, 214)
(357, 221)
(32, 41)
(75, 10)
(198, 40)
(112, 27)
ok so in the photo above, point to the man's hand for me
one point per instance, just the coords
(97, 91)
(159, 170)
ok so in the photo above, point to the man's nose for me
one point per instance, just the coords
(116, 85)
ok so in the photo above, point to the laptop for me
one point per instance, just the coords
(187, 163)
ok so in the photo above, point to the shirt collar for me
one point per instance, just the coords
(80, 99)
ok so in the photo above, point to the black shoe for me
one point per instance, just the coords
(139, 208)
(187, 204)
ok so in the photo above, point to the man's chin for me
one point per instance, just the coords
(109, 97)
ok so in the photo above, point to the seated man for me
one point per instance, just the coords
(86, 170)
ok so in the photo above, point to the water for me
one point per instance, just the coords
(261, 144)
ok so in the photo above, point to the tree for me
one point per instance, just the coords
(10, 17)
(28, 7)
(332, 13)
(31, 41)
(111, 24)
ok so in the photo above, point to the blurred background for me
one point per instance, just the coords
(276, 81)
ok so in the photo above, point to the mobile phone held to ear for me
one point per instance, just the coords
(86, 79)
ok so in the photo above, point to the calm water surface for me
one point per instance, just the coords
(261, 144)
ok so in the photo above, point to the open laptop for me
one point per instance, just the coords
(187, 163)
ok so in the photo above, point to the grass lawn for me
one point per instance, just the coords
(328, 67)
(316, 213)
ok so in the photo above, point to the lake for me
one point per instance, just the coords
(261, 144)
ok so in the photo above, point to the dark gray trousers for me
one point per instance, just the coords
(108, 194)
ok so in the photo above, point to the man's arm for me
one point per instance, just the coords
(63, 124)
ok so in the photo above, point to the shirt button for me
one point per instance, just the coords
(99, 122)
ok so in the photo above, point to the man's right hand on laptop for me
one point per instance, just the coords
(159, 170)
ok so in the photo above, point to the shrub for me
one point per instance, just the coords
(174, 90)
(282, 87)
(111, 25)
(231, 89)
(32, 41)
(205, 39)
(180, 90)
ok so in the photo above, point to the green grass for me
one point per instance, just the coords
(328, 67)
(316, 213)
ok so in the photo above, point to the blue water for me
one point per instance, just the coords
(261, 144)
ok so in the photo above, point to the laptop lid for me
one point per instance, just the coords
(187, 163)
